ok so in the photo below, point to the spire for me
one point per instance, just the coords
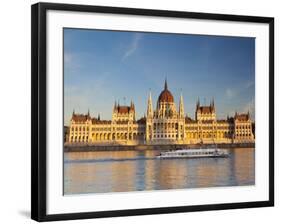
(88, 112)
(181, 99)
(99, 116)
(181, 107)
(213, 102)
(166, 85)
(149, 106)
(115, 106)
(73, 113)
(132, 106)
(198, 103)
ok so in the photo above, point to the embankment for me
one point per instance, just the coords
(85, 148)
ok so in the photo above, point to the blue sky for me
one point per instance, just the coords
(103, 66)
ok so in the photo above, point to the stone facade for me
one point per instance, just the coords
(164, 125)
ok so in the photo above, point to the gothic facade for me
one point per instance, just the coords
(166, 124)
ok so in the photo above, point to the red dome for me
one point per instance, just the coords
(166, 95)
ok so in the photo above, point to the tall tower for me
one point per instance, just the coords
(181, 121)
(149, 107)
(181, 108)
(149, 119)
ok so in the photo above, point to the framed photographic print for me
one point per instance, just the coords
(139, 111)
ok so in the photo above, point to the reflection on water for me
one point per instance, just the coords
(122, 171)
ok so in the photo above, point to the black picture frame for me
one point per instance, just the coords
(39, 108)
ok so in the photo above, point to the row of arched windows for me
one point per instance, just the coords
(107, 137)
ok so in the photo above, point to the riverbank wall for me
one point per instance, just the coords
(88, 148)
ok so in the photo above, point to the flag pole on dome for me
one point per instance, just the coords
(166, 85)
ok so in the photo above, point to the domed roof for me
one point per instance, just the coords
(166, 95)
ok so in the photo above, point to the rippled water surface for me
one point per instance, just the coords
(122, 171)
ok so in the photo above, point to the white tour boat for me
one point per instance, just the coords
(193, 153)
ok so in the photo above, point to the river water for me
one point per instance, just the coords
(123, 171)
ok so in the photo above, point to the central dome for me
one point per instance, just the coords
(166, 95)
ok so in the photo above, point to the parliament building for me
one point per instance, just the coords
(166, 124)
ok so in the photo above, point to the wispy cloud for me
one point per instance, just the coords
(230, 93)
(133, 46)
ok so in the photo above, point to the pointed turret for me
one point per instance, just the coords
(132, 106)
(198, 104)
(149, 106)
(181, 107)
(115, 105)
(213, 105)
